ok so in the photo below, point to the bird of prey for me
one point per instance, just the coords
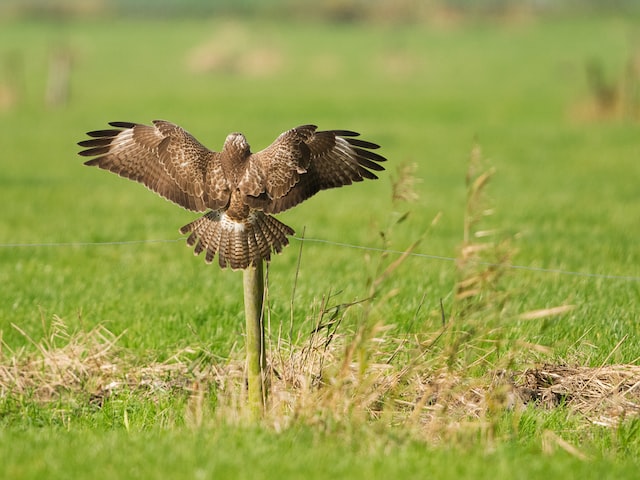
(238, 189)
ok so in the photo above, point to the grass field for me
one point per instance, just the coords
(126, 359)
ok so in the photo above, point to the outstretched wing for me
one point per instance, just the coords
(163, 157)
(303, 161)
(272, 172)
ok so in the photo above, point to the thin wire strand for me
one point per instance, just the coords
(491, 264)
(629, 278)
(88, 244)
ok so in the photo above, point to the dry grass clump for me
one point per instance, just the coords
(604, 394)
(330, 380)
(87, 365)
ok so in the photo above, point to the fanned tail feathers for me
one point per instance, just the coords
(238, 244)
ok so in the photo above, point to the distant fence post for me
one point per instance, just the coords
(253, 283)
(59, 78)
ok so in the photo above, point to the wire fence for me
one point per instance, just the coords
(628, 278)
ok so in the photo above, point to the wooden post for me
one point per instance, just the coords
(253, 283)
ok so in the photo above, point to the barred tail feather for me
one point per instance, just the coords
(238, 243)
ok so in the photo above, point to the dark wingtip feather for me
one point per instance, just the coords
(370, 155)
(122, 124)
(356, 142)
(93, 162)
(345, 133)
(96, 142)
(366, 163)
(91, 152)
(104, 133)
(366, 174)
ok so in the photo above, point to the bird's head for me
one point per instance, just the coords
(236, 142)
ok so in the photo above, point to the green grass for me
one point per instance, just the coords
(565, 192)
(257, 453)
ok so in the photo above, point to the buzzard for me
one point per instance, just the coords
(237, 188)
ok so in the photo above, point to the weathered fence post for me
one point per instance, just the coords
(253, 282)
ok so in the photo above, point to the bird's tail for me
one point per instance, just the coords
(238, 243)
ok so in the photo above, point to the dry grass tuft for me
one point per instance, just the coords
(403, 184)
(82, 364)
(605, 395)
(484, 257)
